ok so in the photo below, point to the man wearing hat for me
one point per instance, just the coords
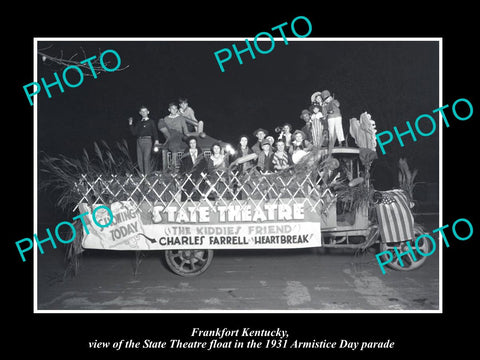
(300, 142)
(331, 110)
(300, 146)
(265, 157)
(307, 128)
(260, 135)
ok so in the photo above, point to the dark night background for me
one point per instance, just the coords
(393, 81)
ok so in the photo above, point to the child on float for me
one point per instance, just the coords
(300, 142)
(286, 134)
(260, 134)
(316, 98)
(216, 167)
(265, 158)
(241, 162)
(300, 146)
(217, 159)
(271, 140)
(282, 160)
(192, 165)
(331, 110)
(318, 124)
(307, 128)
(244, 157)
(193, 124)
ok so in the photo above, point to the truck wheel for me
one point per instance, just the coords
(408, 261)
(188, 262)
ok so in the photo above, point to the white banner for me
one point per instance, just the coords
(252, 225)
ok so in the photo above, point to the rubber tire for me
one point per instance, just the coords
(174, 259)
(409, 265)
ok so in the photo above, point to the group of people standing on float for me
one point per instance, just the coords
(323, 120)
(179, 124)
(323, 124)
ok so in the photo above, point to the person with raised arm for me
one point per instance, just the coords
(147, 136)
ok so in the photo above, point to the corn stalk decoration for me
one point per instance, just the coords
(406, 177)
(63, 175)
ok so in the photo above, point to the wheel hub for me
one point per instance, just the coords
(187, 254)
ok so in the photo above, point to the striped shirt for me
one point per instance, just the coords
(317, 129)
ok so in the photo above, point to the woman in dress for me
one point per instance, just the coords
(217, 160)
(318, 124)
(243, 152)
(217, 166)
(281, 158)
(241, 163)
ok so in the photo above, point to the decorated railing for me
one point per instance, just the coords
(221, 187)
(201, 209)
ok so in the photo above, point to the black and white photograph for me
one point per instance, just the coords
(238, 187)
(264, 190)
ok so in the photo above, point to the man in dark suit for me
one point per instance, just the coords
(146, 132)
(192, 164)
(265, 158)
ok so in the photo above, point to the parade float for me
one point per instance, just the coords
(326, 199)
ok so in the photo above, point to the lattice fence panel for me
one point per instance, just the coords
(224, 188)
